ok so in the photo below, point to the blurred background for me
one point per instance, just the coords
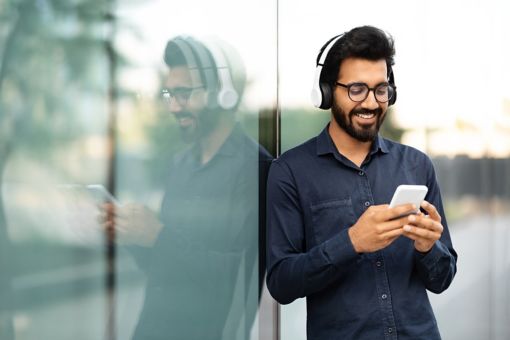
(79, 104)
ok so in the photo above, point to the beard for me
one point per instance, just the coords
(197, 125)
(365, 133)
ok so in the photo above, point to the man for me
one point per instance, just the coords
(332, 238)
(202, 278)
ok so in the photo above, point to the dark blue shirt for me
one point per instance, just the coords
(314, 195)
(210, 237)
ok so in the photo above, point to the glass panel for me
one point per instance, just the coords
(125, 215)
(54, 108)
(466, 133)
(187, 167)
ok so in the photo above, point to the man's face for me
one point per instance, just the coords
(188, 103)
(361, 120)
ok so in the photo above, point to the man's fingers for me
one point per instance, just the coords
(418, 232)
(392, 213)
(411, 236)
(431, 210)
(108, 208)
(393, 224)
(393, 234)
(426, 222)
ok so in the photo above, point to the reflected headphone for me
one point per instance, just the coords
(212, 64)
(322, 91)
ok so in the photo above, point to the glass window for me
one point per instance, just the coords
(133, 175)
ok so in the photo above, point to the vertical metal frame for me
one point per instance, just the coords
(269, 137)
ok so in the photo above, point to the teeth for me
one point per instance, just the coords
(185, 121)
(365, 116)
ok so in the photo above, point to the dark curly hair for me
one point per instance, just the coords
(365, 42)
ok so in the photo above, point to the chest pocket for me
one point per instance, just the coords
(329, 217)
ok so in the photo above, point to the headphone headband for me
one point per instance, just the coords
(322, 92)
(227, 95)
(317, 91)
(213, 68)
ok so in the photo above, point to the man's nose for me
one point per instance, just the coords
(174, 106)
(370, 102)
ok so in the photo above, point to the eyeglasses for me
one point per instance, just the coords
(180, 94)
(358, 92)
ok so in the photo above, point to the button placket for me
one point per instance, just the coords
(384, 295)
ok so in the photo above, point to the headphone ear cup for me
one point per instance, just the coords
(227, 98)
(393, 99)
(391, 80)
(327, 96)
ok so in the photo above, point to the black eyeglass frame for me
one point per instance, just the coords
(390, 93)
(181, 96)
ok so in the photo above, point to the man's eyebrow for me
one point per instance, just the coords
(179, 88)
(385, 82)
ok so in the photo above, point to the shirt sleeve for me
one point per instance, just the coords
(437, 267)
(293, 270)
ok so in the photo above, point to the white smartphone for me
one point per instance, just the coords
(405, 194)
(101, 195)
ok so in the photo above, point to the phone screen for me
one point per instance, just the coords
(409, 194)
(101, 195)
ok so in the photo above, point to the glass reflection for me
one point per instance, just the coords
(53, 85)
(200, 253)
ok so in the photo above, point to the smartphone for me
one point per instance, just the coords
(405, 194)
(101, 195)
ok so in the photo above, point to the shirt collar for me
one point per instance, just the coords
(379, 145)
(325, 144)
(229, 148)
(231, 145)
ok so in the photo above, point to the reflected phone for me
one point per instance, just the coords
(409, 194)
(101, 195)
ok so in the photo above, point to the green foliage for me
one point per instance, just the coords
(54, 70)
(299, 125)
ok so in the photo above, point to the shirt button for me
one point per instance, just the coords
(378, 263)
(390, 330)
(361, 173)
(367, 203)
(384, 296)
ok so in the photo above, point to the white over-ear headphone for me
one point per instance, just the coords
(214, 68)
(321, 93)
(227, 96)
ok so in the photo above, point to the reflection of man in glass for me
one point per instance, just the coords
(202, 269)
(6, 322)
(364, 267)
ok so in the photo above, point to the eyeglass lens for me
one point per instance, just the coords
(181, 95)
(359, 92)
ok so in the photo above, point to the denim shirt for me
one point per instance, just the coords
(314, 196)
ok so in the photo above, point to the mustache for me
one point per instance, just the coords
(178, 115)
(377, 111)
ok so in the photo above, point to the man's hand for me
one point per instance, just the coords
(424, 230)
(378, 227)
(131, 224)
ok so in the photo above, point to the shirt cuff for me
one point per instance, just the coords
(430, 258)
(339, 249)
